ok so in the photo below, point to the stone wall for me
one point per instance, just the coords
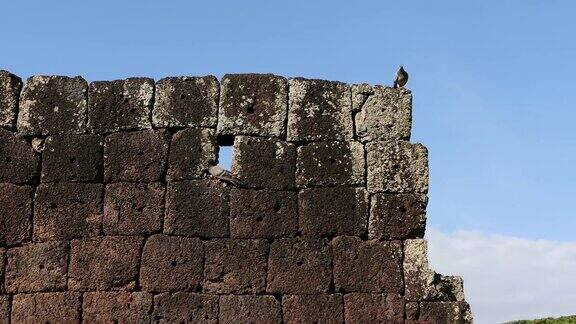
(108, 213)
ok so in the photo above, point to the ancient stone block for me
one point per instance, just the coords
(253, 104)
(5, 309)
(53, 105)
(172, 263)
(299, 266)
(374, 308)
(397, 167)
(37, 267)
(133, 208)
(135, 156)
(120, 105)
(116, 307)
(15, 214)
(263, 213)
(197, 208)
(10, 86)
(50, 307)
(186, 102)
(384, 113)
(325, 164)
(104, 263)
(367, 266)
(249, 309)
(235, 266)
(18, 162)
(397, 216)
(319, 110)
(182, 307)
(191, 152)
(65, 211)
(72, 158)
(333, 211)
(441, 312)
(264, 162)
(313, 309)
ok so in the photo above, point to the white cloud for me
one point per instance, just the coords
(507, 278)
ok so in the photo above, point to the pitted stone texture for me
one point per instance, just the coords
(374, 308)
(384, 113)
(116, 307)
(313, 309)
(18, 162)
(171, 263)
(10, 86)
(186, 102)
(133, 208)
(51, 307)
(197, 208)
(65, 211)
(299, 266)
(72, 158)
(181, 307)
(397, 167)
(4, 309)
(249, 309)
(333, 211)
(104, 263)
(264, 162)
(367, 266)
(15, 214)
(440, 312)
(263, 214)
(319, 110)
(325, 164)
(397, 216)
(37, 267)
(253, 104)
(192, 151)
(135, 156)
(120, 105)
(53, 105)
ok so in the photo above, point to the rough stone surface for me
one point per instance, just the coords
(15, 214)
(319, 110)
(72, 158)
(397, 216)
(116, 307)
(253, 104)
(4, 309)
(186, 102)
(10, 86)
(51, 307)
(441, 312)
(18, 162)
(249, 309)
(181, 307)
(192, 151)
(374, 308)
(53, 105)
(313, 309)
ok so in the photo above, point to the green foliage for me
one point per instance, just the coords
(549, 320)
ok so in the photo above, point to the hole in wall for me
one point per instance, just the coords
(225, 151)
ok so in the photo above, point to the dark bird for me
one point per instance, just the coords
(224, 175)
(401, 78)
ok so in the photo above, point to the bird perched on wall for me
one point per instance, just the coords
(224, 175)
(401, 78)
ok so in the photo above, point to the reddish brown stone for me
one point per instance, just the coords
(249, 309)
(373, 308)
(171, 263)
(191, 152)
(181, 307)
(313, 309)
(15, 214)
(5, 309)
(72, 158)
(299, 266)
(441, 312)
(116, 307)
(104, 263)
(10, 86)
(397, 217)
(3, 271)
(18, 162)
(52, 307)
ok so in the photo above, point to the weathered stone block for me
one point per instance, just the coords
(15, 214)
(313, 309)
(319, 110)
(65, 211)
(197, 208)
(333, 211)
(51, 307)
(384, 113)
(37, 267)
(133, 208)
(192, 151)
(135, 156)
(5, 309)
(397, 216)
(263, 214)
(253, 104)
(441, 312)
(186, 102)
(53, 105)
(235, 266)
(299, 266)
(374, 308)
(367, 266)
(116, 307)
(120, 105)
(397, 167)
(181, 307)
(104, 263)
(18, 162)
(10, 86)
(249, 309)
(172, 263)
(72, 158)
(264, 162)
(325, 164)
